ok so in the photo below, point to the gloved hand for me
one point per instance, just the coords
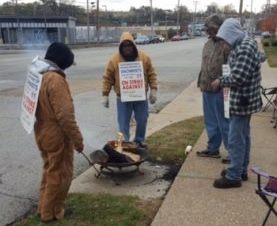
(105, 101)
(153, 96)
(79, 147)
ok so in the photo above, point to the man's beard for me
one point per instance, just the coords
(131, 57)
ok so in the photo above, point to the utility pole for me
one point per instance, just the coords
(240, 11)
(178, 16)
(166, 34)
(88, 24)
(97, 20)
(268, 7)
(194, 15)
(252, 19)
(151, 15)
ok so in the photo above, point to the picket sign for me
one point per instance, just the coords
(131, 78)
(226, 71)
(30, 100)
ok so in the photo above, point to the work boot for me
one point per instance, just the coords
(208, 153)
(244, 176)
(226, 160)
(47, 221)
(141, 144)
(224, 183)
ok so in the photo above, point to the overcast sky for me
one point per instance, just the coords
(167, 4)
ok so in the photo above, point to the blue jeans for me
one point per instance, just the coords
(239, 146)
(124, 113)
(217, 126)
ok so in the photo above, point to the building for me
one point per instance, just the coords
(37, 30)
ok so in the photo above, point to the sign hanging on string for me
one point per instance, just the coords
(30, 100)
(131, 77)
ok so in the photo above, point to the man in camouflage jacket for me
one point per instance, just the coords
(215, 53)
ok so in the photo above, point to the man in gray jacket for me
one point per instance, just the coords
(245, 99)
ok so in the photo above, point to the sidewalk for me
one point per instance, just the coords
(192, 200)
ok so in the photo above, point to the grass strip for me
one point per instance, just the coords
(102, 210)
(168, 144)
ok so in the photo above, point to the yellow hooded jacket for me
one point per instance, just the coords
(111, 75)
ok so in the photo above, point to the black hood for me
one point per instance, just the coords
(60, 54)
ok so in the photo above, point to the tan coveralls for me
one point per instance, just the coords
(57, 134)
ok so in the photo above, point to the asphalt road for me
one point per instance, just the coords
(177, 64)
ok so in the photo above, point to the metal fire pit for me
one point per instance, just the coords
(112, 168)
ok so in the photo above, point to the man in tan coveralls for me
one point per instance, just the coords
(56, 131)
(128, 52)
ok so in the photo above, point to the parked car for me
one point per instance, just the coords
(162, 38)
(266, 34)
(142, 39)
(176, 38)
(154, 39)
(184, 37)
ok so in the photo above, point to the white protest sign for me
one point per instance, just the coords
(30, 99)
(131, 78)
(226, 71)
(226, 98)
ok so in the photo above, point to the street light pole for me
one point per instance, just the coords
(151, 12)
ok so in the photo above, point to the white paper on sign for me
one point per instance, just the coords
(226, 71)
(30, 99)
(131, 78)
(226, 97)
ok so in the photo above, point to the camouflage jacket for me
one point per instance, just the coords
(215, 53)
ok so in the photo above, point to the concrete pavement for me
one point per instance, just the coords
(192, 200)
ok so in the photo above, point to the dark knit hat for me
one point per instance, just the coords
(213, 21)
(60, 54)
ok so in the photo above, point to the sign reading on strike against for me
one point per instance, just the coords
(131, 77)
(29, 100)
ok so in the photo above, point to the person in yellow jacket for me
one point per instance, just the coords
(128, 52)
(56, 131)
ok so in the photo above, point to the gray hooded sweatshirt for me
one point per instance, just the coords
(231, 32)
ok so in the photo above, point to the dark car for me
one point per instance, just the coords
(154, 39)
